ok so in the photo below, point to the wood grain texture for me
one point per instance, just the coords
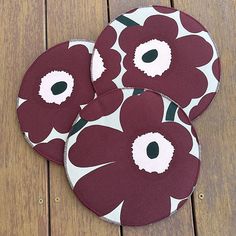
(74, 19)
(23, 175)
(118, 7)
(181, 223)
(215, 214)
(66, 20)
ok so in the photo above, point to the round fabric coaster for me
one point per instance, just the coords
(135, 161)
(53, 90)
(162, 49)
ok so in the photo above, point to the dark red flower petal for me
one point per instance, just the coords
(102, 106)
(192, 50)
(154, 26)
(183, 85)
(101, 190)
(109, 35)
(145, 206)
(37, 123)
(53, 150)
(178, 135)
(104, 84)
(205, 101)
(97, 145)
(141, 113)
(190, 23)
(63, 119)
(181, 181)
(131, 37)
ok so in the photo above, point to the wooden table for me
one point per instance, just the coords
(35, 198)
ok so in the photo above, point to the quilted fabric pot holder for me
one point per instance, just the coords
(162, 49)
(53, 90)
(135, 161)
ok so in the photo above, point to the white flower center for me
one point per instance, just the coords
(153, 57)
(56, 87)
(152, 152)
(97, 67)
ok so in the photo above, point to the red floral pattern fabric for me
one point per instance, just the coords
(183, 64)
(51, 93)
(108, 160)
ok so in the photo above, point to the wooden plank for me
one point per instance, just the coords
(215, 214)
(23, 175)
(180, 223)
(66, 20)
(118, 7)
(72, 19)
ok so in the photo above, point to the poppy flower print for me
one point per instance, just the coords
(137, 164)
(162, 49)
(54, 89)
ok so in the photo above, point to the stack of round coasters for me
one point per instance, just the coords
(53, 91)
(133, 163)
(120, 112)
(162, 49)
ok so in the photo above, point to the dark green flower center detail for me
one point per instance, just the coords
(152, 150)
(59, 87)
(150, 56)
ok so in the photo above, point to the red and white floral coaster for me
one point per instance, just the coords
(132, 157)
(53, 90)
(162, 49)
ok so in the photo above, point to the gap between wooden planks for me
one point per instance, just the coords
(23, 174)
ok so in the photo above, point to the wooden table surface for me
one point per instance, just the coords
(35, 198)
